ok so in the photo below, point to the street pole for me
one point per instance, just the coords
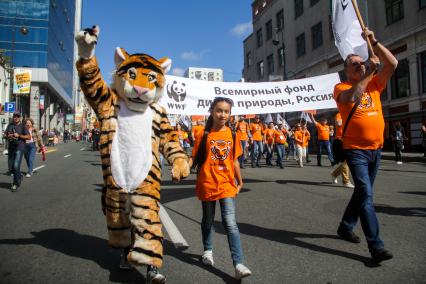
(284, 61)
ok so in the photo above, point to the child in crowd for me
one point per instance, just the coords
(215, 155)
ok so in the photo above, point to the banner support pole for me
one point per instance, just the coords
(361, 22)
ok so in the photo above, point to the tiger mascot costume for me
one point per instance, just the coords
(134, 130)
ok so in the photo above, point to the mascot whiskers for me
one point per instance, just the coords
(134, 131)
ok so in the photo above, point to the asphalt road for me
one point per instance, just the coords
(53, 231)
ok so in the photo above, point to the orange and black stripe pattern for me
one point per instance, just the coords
(132, 219)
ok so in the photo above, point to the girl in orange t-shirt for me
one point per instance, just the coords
(280, 141)
(219, 179)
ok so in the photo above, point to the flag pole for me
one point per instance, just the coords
(361, 22)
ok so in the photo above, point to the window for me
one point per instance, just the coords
(298, 8)
(259, 37)
(270, 62)
(281, 57)
(248, 59)
(400, 82)
(280, 20)
(300, 45)
(394, 11)
(260, 69)
(313, 2)
(269, 30)
(316, 32)
(422, 4)
(423, 70)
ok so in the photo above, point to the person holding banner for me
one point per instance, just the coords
(241, 131)
(256, 138)
(280, 141)
(363, 138)
(215, 155)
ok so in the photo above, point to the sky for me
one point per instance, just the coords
(193, 33)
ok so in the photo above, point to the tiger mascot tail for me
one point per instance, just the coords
(134, 131)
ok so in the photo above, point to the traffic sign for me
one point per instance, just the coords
(9, 107)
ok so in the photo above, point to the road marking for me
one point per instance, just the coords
(174, 233)
(66, 156)
(36, 169)
(177, 186)
(49, 151)
(82, 149)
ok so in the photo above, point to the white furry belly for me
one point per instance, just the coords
(131, 153)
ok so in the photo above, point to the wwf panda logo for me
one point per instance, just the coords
(177, 91)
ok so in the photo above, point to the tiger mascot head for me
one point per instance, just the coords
(220, 149)
(139, 78)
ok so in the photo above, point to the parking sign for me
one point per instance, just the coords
(9, 107)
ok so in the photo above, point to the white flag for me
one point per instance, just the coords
(281, 120)
(347, 30)
(306, 117)
(268, 118)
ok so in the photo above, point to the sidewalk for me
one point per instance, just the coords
(406, 157)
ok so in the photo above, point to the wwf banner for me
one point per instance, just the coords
(193, 97)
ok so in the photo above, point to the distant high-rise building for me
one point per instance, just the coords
(206, 74)
(39, 35)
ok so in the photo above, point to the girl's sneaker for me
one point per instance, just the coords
(241, 271)
(207, 258)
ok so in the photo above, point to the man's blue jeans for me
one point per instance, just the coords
(16, 168)
(324, 144)
(227, 207)
(280, 154)
(243, 156)
(363, 165)
(256, 152)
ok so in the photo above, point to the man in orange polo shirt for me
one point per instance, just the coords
(323, 132)
(256, 138)
(363, 139)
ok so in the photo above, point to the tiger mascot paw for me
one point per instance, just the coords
(86, 42)
(180, 169)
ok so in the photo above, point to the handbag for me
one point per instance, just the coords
(338, 153)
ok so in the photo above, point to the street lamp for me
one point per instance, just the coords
(276, 42)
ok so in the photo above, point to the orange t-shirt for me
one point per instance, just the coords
(270, 136)
(242, 130)
(216, 178)
(339, 128)
(182, 134)
(279, 136)
(323, 131)
(197, 129)
(366, 127)
(302, 135)
(256, 131)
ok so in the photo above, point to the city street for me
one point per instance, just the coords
(53, 229)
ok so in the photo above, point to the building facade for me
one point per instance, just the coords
(39, 35)
(293, 39)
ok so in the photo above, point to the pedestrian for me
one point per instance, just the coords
(241, 132)
(291, 143)
(343, 168)
(96, 136)
(215, 154)
(32, 145)
(280, 141)
(398, 137)
(269, 142)
(301, 138)
(16, 133)
(363, 139)
(183, 137)
(423, 135)
(323, 133)
(256, 139)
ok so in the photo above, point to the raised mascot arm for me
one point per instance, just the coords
(95, 89)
